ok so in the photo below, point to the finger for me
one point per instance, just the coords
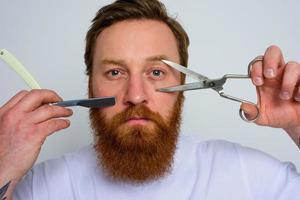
(257, 73)
(297, 94)
(249, 110)
(51, 126)
(14, 100)
(47, 112)
(289, 81)
(273, 59)
(35, 98)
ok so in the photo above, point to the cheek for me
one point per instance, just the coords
(111, 111)
(164, 103)
(101, 88)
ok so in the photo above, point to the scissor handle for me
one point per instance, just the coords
(222, 94)
(241, 112)
(257, 59)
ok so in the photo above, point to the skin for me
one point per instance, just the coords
(131, 73)
(278, 92)
(128, 67)
(25, 122)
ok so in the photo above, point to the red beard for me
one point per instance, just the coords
(136, 153)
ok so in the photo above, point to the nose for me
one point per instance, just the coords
(135, 91)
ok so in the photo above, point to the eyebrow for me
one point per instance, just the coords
(107, 61)
(157, 58)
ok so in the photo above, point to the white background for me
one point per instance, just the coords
(48, 37)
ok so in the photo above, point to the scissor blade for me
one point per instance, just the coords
(93, 102)
(185, 70)
(189, 86)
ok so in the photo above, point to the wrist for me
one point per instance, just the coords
(8, 174)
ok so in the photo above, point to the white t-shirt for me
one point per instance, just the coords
(210, 170)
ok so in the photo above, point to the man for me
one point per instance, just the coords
(138, 152)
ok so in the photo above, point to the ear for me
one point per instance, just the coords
(90, 87)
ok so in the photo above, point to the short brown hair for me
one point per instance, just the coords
(122, 10)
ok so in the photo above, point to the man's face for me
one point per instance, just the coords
(127, 65)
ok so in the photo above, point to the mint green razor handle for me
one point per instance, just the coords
(16, 65)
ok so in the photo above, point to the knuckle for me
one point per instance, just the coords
(50, 110)
(43, 92)
(9, 117)
(292, 63)
(31, 130)
(67, 111)
(287, 85)
(63, 123)
(19, 127)
(254, 73)
(292, 67)
(35, 91)
(55, 111)
(270, 63)
(55, 124)
(48, 127)
(256, 69)
(22, 92)
(52, 92)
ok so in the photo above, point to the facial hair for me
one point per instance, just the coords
(136, 153)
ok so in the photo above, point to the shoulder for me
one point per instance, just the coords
(55, 175)
(219, 152)
(208, 148)
(78, 158)
(225, 149)
(262, 174)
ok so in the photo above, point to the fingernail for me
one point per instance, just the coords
(269, 73)
(258, 81)
(284, 95)
(297, 98)
(70, 110)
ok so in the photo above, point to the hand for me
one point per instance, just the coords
(278, 93)
(25, 122)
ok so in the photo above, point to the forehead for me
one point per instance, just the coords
(136, 40)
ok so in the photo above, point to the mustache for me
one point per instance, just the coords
(138, 111)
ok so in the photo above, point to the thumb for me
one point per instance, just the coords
(251, 111)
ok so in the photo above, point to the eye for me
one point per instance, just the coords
(114, 74)
(157, 73)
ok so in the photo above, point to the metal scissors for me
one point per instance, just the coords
(215, 84)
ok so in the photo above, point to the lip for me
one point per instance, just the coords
(137, 121)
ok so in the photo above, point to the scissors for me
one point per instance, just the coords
(215, 84)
